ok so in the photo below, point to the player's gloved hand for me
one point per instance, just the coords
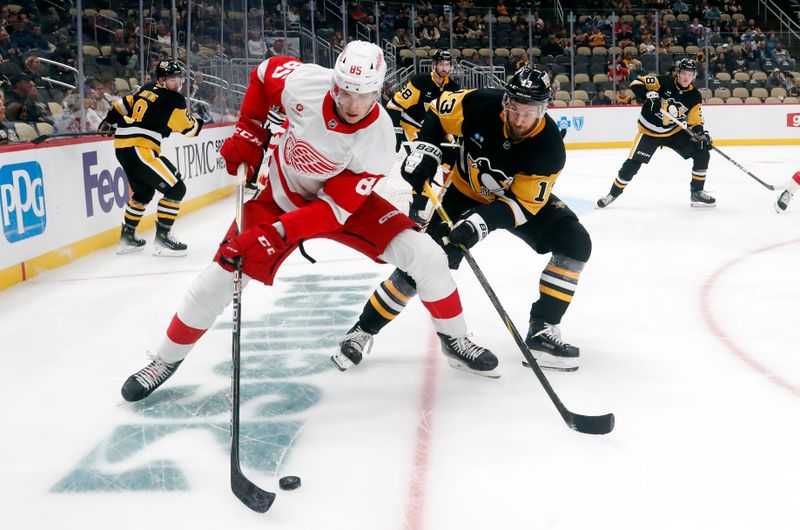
(417, 209)
(400, 137)
(106, 128)
(200, 123)
(653, 101)
(420, 166)
(702, 137)
(256, 245)
(245, 146)
(469, 230)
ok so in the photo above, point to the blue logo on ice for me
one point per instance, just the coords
(22, 201)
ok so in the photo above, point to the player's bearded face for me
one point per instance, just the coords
(685, 77)
(521, 118)
(443, 68)
(353, 106)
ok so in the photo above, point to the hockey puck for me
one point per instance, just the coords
(289, 483)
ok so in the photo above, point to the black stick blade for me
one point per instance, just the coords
(251, 495)
(592, 424)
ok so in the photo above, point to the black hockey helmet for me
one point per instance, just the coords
(168, 69)
(441, 55)
(686, 64)
(529, 86)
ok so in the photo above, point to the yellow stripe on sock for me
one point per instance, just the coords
(379, 308)
(555, 294)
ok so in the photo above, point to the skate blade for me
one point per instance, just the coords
(341, 362)
(778, 208)
(458, 365)
(547, 361)
(168, 253)
(127, 249)
(703, 205)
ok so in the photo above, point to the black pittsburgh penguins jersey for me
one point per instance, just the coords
(684, 104)
(149, 115)
(407, 107)
(491, 167)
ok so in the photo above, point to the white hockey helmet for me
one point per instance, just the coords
(360, 68)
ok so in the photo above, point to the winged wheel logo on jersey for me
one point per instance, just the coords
(304, 158)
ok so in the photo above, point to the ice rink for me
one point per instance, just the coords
(686, 318)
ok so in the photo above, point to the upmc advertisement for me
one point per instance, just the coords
(54, 196)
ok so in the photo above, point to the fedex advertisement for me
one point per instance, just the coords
(54, 196)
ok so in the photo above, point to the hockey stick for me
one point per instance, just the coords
(251, 495)
(42, 138)
(723, 155)
(586, 424)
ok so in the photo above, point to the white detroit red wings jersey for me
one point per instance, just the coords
(319, 156)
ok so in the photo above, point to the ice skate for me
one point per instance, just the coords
(128, 242)
(783, 201)
(142, 383)
(550, 352)
(701, 199)
(605, 200)
(352, 348)
(165, 244)
(465, 355)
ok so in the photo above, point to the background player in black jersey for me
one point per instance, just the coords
(142, 120)
(511, 155)
(408, 106)
(676, 95)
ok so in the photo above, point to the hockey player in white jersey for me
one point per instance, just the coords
(338, 145)
(792, 185)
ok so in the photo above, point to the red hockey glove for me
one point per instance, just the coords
(245, 146)
(257, 245)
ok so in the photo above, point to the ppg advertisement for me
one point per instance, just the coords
(52, 197)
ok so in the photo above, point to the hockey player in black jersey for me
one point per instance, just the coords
(142, 120)
(512, 154)
(408, 106)
(673, 94)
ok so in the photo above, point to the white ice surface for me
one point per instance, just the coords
(686, 319)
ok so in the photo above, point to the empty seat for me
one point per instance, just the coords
(577, 103)
(751, 100)
(734, 101)
(740, 92)
(562, 95)
(723, 93)
(55, 108)
(25, 131)
(759, 93)
(778, 92)
(715, 101)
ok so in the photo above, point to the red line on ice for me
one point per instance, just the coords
(415, 509)
(716, 329)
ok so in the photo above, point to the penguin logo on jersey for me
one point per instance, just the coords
(675, 108)
(485, 179)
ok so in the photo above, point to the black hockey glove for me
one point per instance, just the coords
(702, 137)
(106, 128)
(420, 166)
(469, 230)
(417, 209)
(653, 102)
(400, 137)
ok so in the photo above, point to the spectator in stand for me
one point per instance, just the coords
(460, 29)
(623, 97)
(8, 133)
(539, 33)
(256, 46)
(69, 121)
(23, 93)
(712, 12)
(776, 80)
(761, 54)
(624, 34)
(401, 39)
(617, 71)
(680, 7)
(719, 64)
(596, 38)
(780, 57)
(276, 48)
(600, 98)
(7, 50)
(524, 60)
(34, 68)
(647, 46)
(580, 37)
(739, 63)
(794, 90)
(551, 47)
(430, 35)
